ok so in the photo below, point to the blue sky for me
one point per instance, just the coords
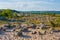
(31, 5)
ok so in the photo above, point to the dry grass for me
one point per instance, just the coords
(57, 28)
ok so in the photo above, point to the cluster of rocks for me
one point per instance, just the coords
(28, 33)
(13, 36)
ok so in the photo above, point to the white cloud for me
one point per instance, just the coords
(34, 5)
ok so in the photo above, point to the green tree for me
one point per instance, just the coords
(15, 15)
(6, 13)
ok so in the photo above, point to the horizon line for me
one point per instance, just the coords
(31, 10)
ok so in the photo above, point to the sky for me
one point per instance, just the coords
(31, 5)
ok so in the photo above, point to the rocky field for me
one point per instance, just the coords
(27, 36)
